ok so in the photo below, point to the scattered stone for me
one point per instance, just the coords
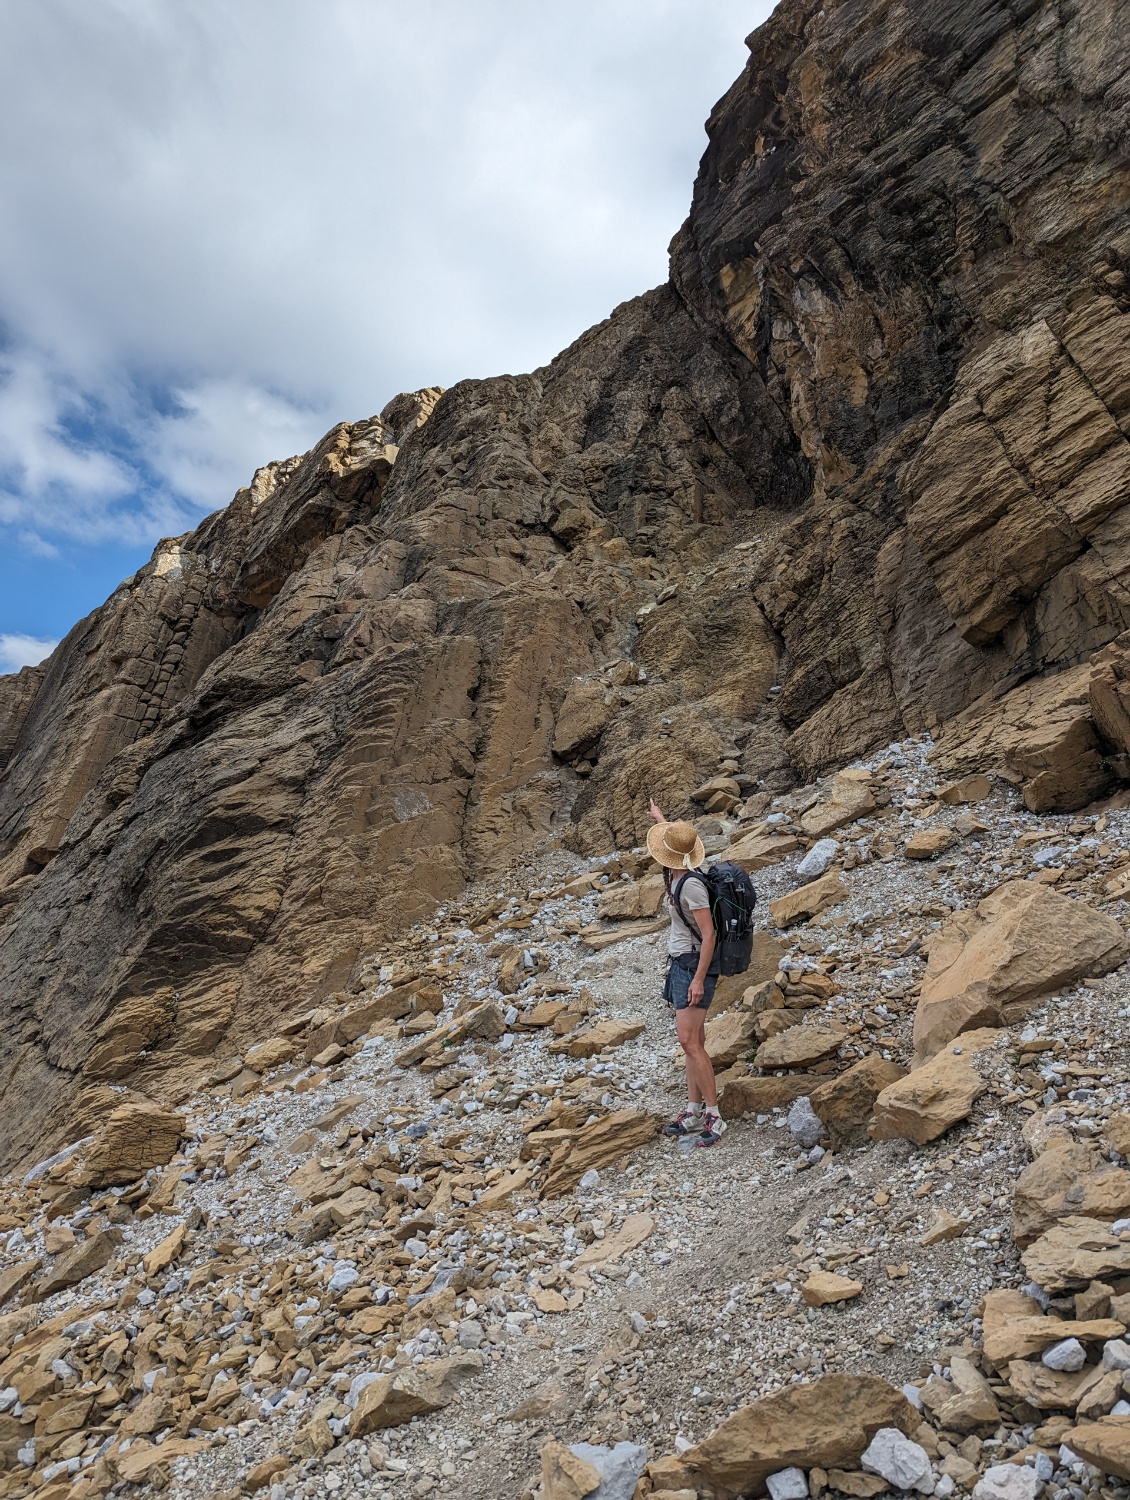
(75, 1265)
(928, 843)
(944, 1226)
(1008, 1482)
(825, 1287)
(635, 1229)
(1068, 1354)
(160, 1258)
(787, 1484)
(898, 1460)
(818, 858)
(965, 1402)
(805, 1126)
(973, 788)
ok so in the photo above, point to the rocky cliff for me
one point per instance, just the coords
(859, 468)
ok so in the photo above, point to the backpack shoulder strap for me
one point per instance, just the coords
(676, 892)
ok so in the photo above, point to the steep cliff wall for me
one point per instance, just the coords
(869, 444)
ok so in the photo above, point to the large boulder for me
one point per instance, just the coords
(391, 1400)
(595, 1145)
(989, 964)
(844, 1103)
(826, 1423)
(626, 900)
(1069, 1178)
(934, 1097)
(582, 718)
(730, 1036)
(133, 1138)
(757, 849)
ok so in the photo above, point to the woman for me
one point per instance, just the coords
(690, 981)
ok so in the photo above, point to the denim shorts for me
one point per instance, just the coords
(678, 982)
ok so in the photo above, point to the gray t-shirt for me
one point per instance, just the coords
(692, 897)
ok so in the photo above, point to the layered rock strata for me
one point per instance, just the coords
(867, 446)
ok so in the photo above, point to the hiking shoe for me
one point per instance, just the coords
(689, 1122)
(713, 1129)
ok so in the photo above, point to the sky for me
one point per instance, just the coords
(230, 224)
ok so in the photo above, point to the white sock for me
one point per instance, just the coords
(695, 1109)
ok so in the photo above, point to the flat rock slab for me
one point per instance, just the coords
(808, 901)
(751, 1095)
(635, 1229)
(1067, 1179)
(758, 850)
(595, 1145)
(850, 799)
(605, 1034)
(1105, 1443)
(928, 843)
(1074, 1252)
(801, 1046)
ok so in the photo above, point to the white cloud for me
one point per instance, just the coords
(18, 651)
(226, 226)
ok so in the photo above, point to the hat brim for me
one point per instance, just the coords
(663, 856)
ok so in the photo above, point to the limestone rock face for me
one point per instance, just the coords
(1021, 942)
(505, 613)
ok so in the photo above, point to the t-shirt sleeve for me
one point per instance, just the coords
(694, 896)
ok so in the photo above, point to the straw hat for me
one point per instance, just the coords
(675, 845)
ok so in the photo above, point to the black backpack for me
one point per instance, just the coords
(732, 899)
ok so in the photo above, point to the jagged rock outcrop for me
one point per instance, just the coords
(868, 444)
